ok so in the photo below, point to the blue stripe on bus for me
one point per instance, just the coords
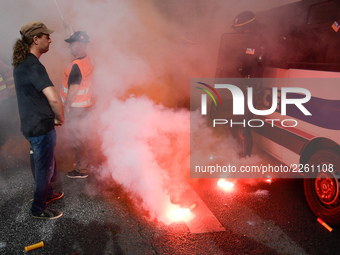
(325, 113)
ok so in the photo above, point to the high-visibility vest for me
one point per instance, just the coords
(3, 89)
(10, 82)
(83, 98)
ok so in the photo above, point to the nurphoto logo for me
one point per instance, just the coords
(275, 98)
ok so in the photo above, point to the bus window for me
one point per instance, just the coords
(322, 13)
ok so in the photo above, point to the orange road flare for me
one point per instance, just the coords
(224, 184)
(179, 214)
(268, 180)
(34, 246)
(325, 225)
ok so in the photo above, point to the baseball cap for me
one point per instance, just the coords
(34, 28)
(78, 36)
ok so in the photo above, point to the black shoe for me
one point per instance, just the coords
(48, 214)
(76, 174)
(55, 196)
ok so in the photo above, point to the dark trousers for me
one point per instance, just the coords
(43, 168)
(77, 130)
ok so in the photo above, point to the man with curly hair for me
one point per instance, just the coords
(40, 109)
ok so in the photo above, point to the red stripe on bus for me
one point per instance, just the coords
(296, 131)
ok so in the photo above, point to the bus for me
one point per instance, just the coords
(297, 43)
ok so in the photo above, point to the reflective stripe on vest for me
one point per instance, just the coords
(79, 92)
(10, 82)
(3, 89)
(81, 104)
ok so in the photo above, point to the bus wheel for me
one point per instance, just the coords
(322, 191)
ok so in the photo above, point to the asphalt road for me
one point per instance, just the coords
(258, 217)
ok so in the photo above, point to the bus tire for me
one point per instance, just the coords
(322, 191)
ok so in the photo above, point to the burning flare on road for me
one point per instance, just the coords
(225, 185)
(176, 213)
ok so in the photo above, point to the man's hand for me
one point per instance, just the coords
(58, 122)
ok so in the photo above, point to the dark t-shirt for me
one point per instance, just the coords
(36, 115)
(75, 76)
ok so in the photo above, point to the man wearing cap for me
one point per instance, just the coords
(76, 91)
(40, 109)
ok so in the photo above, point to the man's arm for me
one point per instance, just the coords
(73, 82)
(56, 105)
(71, 96)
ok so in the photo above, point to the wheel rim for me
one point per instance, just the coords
(326, 188)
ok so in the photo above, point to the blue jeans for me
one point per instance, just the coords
(43, 168)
